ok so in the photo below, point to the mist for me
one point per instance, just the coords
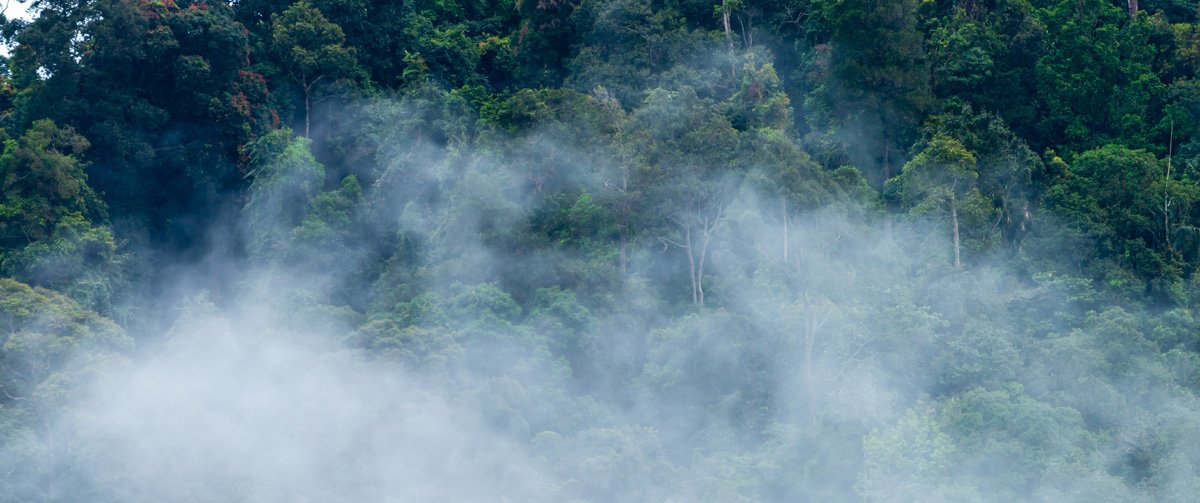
(862, 366)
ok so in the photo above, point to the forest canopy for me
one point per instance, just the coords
(600, 250)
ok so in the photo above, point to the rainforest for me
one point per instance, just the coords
(600, 250)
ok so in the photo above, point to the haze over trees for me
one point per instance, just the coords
(600, 250)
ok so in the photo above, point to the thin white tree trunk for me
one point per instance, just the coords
(623, 256)
(307, 105)
(687, 231)
(785, 231)
(1167, 187)
(728, 27)
(954, 222)
(703, 255)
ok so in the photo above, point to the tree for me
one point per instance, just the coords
(1098, 51)
(760, 101)
(725, 9)
(77, 259)
(1007, 166)
(780, 168)
(985, 53)
(163, 92)
(50, 349)
(544, 38)
(876, 81)
(629, 46)
(622, 199)
(311, 50)
(43, 181)
(1002, 426)
(1113, 198)
(322, 245)
(810, 316)
(942, 177)
(909, 460)
(960, 54)
(285, 178)
(691, 172)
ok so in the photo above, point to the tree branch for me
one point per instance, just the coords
(9, 395)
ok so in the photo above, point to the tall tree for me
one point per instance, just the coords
(942, 178)
(52, 350)
(311, 50)
(1006, 165)
(1098, 50)
(692, 154)
(163, 91)
(285, 177)
(876, 81)
(43, 181)
(1114, 199)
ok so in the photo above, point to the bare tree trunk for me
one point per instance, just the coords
(308, 86)
(1133, 8)
(725, 13)
(747, 25)
(696, 263)
(749, 31)
(703, 255)
(785, 231)
(887, 173)
(623, 210)
(623, 256)
(954, 222)
(728, 28)
(1167, 185)
(687, 230)
(307, 112)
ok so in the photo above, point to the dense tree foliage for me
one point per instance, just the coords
(737, 250)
